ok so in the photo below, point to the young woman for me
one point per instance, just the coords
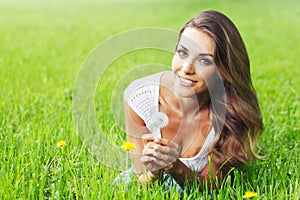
(212, 109)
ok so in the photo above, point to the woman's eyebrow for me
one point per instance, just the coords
(206, 54)
(200, 54)
(183, 47)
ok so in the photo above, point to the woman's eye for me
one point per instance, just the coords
(181, 53)
(205, 61)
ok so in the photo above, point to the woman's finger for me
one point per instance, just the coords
(165, 142)
(164, 152)
(160, 152)
(151, 145)
(161, 141)
(157, 163)
(167, 158)
(147, 138)
(146, 159)
(151, 163)
(161, 163)
(148, 151)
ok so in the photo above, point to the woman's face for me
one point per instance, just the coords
(193, 64)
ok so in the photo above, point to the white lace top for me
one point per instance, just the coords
(142, 96)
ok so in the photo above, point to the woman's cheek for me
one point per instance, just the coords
(175, 63)
(209, 75)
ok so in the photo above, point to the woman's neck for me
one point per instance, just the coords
(192, 106)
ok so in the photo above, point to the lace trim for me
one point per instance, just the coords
(142, 96)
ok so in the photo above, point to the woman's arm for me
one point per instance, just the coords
(145, 167)
(211, 175)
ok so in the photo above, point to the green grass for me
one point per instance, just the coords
(44, 43)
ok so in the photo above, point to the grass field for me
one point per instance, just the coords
(44, 43)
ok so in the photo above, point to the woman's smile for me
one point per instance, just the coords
(186, 81)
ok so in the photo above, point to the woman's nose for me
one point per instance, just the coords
(188, 67)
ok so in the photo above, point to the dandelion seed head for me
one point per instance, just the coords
(160, 119)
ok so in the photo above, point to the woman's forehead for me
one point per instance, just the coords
(196, 41)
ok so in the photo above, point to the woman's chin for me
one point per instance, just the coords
(183, 91)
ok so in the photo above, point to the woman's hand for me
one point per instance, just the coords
(158, 154)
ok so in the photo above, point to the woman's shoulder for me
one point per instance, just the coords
(142, 96)
(150, 82)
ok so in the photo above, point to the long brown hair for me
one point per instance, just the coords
(237, 131)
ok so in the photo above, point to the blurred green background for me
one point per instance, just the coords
(44, 43)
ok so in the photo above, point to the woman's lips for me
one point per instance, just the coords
(186, 82)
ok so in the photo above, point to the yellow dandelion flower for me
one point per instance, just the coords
(128, 146)
(61, 144)
(249, 194)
